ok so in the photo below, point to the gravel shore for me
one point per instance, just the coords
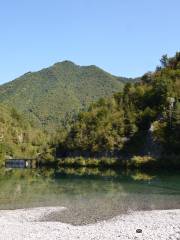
(25, 224)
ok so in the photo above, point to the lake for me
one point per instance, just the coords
(90, 195)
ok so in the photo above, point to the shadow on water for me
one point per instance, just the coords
(88, 194)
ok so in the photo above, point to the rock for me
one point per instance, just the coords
(139, 230)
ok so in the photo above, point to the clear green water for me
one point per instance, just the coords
(89, 194)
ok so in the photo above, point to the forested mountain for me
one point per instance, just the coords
(51, 96)
(18, 138)
(142, 119)
(122, 123)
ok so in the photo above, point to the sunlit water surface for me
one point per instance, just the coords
(90, 195)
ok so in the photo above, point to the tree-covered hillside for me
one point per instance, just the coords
(18, 138)
(140, 122)
(143, 119)
(52, 95)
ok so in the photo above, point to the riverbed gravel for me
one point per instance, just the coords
(26, 224)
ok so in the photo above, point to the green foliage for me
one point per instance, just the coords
(138, 161)
(88, 162)
(52, 96)
(99, 129)
(122, 124)
(18, 138)
(126, 124)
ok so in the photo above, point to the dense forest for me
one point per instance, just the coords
(19, 138)
(52, 96)
(142, 120)
(139, 125)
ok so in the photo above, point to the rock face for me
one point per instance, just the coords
(152, 147)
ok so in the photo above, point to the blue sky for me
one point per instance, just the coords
(124, 37)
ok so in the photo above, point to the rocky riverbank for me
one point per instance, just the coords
(27, 224)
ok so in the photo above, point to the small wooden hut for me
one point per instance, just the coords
(20, 163)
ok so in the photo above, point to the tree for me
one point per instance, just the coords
(176, 115)
(164, 61)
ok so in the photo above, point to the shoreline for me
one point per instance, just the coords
(27, 224)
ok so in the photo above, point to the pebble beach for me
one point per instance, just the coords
(22, 224)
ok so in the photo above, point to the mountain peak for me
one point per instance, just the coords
(50, 95)
(66, 62)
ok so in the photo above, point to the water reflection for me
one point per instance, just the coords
(88, 194)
